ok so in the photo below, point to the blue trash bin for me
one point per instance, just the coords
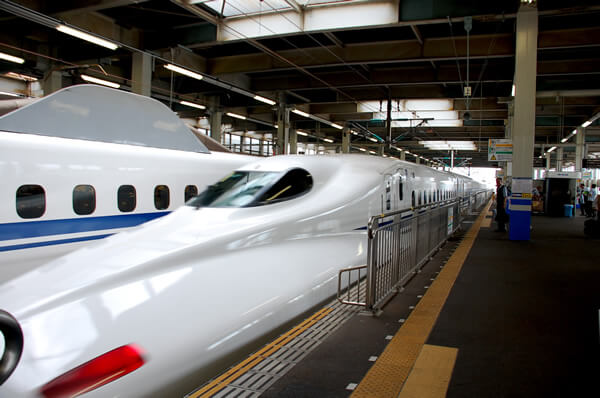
(568, 210)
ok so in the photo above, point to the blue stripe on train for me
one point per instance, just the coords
(51, 242)
(32, 229)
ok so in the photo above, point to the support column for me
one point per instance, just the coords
(451, 160)
(381, 150)
(559, 159)
(523, 131)
(403, 155)
(215, 119)
(141, 74)
(417, 160)
(293, 142)
(579, 148)
(53, 82)
(346, 140)
(283, 128)
(548, 157)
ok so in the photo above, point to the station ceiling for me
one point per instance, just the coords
(340, 73)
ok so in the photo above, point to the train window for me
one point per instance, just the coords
(400, 189)
(161, 197)
(413, 198)
(126, 198)
(420, 196)
(84, 199)
(190, 192)
(31, 201)
(253, 188)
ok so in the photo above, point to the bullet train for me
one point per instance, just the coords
(163, 308)
(89, 161)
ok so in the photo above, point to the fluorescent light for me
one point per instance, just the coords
(586, 124)
(373, 152)
(20, 76)
(276, 126)
(301, 133)
(86, 36)
(337, 126)
(449, 145)
(373, 139)
(299, 112)
(184, 71)
(551, 149)
(564, 139)
(353, 132)
(235, 115)
(327, 140)
(362, 149)
(193, 105)
(11, 58)
(9, 94)
(100, 81)
(513, 91)
(265, 100)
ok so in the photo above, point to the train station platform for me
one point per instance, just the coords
(485, 317)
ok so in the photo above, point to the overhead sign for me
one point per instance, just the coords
(500, 150)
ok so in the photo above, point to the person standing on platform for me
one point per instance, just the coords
(581, 199)
(501, 216)
(592, 198)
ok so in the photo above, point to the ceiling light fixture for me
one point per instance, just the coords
(193, 105)
(551, 149)
(586, 124)
(301, 133)
(100, 81)
(328, 140)
(299, 112)
(184, 71)
(11, 58)
(265, 100)
(87, 37)
(20, 76)
(337, 126)
(235, 115)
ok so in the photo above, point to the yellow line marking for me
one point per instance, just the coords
(487, 222)
(431, 374)
(389, 373)
(240, 369)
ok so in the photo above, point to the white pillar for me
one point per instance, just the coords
(579, 141)
(403, 155)
(141, 74)
(523, 129)
(559, 159)
(53, 82)
(346, 140)
(293, 142)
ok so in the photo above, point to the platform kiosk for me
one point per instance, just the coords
(560, 190)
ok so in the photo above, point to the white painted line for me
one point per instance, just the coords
(351, 386)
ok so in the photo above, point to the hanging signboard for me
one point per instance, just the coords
(500, 150)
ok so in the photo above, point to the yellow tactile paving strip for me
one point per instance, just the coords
(431, 374)
(388, 374)
(240, 369)
(487, 222)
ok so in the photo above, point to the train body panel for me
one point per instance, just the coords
(202, 283)
(37, 161)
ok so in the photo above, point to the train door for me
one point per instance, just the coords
(399, 188)
(387, 197)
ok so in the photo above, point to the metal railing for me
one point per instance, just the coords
(398, 244)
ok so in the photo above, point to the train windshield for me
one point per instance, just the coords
(254, 188)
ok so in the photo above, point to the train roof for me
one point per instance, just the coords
(96, 113)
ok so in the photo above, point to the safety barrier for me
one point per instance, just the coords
(398, 244)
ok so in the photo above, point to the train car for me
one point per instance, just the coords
(158, 310)
(87, 162)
